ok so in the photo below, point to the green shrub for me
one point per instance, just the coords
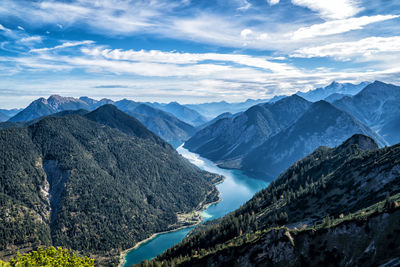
(50, 257)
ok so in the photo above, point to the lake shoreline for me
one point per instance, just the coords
(203, 208)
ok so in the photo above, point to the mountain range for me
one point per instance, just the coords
(213, 109)
(336, 206)
(377, 106)
(334, 89)
(321, 125)
(97, 176)
(94, 182)
(231, 137)
(165, 124)
(267, 138)
(6, 114)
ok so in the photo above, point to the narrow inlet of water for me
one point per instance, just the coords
(236, 189)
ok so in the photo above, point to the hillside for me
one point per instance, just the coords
(328, 200)
(321, 125)
(68, 181)
(230, 138)
(377, 106)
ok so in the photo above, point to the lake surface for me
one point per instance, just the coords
(235, 190)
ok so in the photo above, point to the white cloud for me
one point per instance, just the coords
(21, 28)
(113, 16)
(244, 34)
(244, 5)
(156, 56)
(366, 48)
(273, 2)
(64, 45)
(331, 9)
(2, 28)
(338, 26)
(31, 39)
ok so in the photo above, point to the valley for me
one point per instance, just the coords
(234, 191)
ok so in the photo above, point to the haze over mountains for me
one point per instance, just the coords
(6, 114)
(213, 109)
(335, 89)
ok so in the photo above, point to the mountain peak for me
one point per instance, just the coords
(55, 97)
(363, 141)
(334, 83)
(376, 82)
(111, 116)
(321, 104)
(107, 108)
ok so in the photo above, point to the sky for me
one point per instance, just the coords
(192, 51)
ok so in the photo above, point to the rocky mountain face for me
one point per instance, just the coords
(164, 124)
(43, 107)
(321, 125)
(336, 206)
(333, 88)
(230, 138)
(96, 183)
(182, 112)
(377, 106)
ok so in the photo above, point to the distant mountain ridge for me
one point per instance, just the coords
(160, 122)
(321, 125)
(213, 109)
(267, 138)
(378, 106)
(333, 88)
(181, 112)
(164, 124)
(3, 117)
(233, 137)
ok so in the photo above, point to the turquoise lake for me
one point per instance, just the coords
(235, 190)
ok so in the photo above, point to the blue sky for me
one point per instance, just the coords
(192, 51)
